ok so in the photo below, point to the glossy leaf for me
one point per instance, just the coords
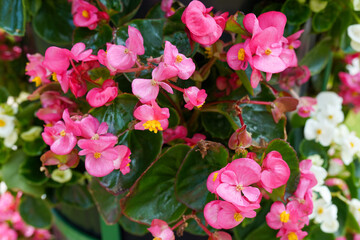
(118, 114)
(190, 185)
(245, 81)
(308, 148)
(296, 12)
(317, 58)
(216, 124)
(128, 11)
(181, 41)
(94, 39)
(113, 6)
(323, 20)
(134, 228)
(13, 16)
(35, 212)
(75, 195)
(289, 156)
(30, 170)
(264, 232)
(54, 22)
(155, 12)
(145, 147)
(174, 24)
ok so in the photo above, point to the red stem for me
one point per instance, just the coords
(77, 71)
(175, 87)
(177, 224)
(207, 231)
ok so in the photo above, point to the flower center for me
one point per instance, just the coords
(178, 59)
(126, 51)
(330, 117)
(97, 155)
(95, 137)
(352, 144)
(2, 123)
(238, 217)
(208, 52)
(292, 236)
(239, 187)
(284, 217)
(85, 14)
(37, 81)
(153, 126)
(318, 132)
(268, 51)
(241, 54)
(320, 210)
(291, 47)
(153, 82)
(215, 176)
(63, 133)
(54, 77)
(157, 238)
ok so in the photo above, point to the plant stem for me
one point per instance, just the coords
(175, 87)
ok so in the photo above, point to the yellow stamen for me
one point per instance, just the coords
(37, 81)
(157, 238)
(238, 217)
(172, 9)
(352, 144)
(241, 54)
(97, 155)
(284, 217)
(128, 165)
(239, 187)
(2, 123)
(63, 133)
(153, 126)
(268, 51)
(318, 132)
(178, 59)
(208, 52)
(54, 77)
(330, 117)
(153, 82)
(292, 236)
(291, 47)
(95, 137)
(126, 50)
(215, 176)
(199, 106)
(85, 14)
(320, 210)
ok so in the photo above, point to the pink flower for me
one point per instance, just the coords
(240, 139)
(280, 217)
(124, 57)
(98, 97)
(60, 139)
(292, 44)
(85, 14)
(161, 230)
(222, 214)
(7, 206)
(166, 7)
(203, 28)
(148, 89)
(7, 233)
(19, 225)
(236, 180)
(275, 172)
(152, 117)
(63, 162)
(194, 97)
(179, 132)
(213, 180)
(286, 234)
(228, 84)
(195, 139)
(123, 161)
(35, 69)
(184, 65)
(306, 106)
(41, 234)
(307, 179)
(236, 57)
(220, 235)
(294, 76)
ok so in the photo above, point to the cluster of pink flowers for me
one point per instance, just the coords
(87, 15)
(9, 51)
(266, 49)
(236, 185)
(293, 216)
(98, 146)
(350, 89)
(294, 76)
(180, 132)
(12, 226)
(228, 84)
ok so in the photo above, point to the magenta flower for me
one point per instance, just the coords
(41, 234)
(294, 76)
(236, 56)
(275, 173)
(161, 230)
(180, 132)
(148, 89)
(98, 97)
(213, 180)
(287, 234)
(152, 117)
(292, 44)
(195, 139)
(123, 160)
(225, 215)
(280, 217)
(203, 28)
(85, 14)
(166, 7)
(236, 180)
(124, 57)
(61, 140)
(194, 97)
(35, 69)
(220, 235)
(184, 65)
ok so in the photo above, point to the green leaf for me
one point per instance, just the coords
(216, 124)
(308, 148)
(245, 81)
(155, 12)
(317, 58)
(118, 114)
(190, 184)
(352, 223)
(152, 32)
(235, 23)
(54, 22)
(13, 16)
(181, 41)
(32, 6)
(174, 24)
(296, 12)
(107, 204)
(264, 232)
(14, 180)
(94, 39)
(342, 215)
(323, 20)
(317, 234)
(75, 195)
(145, 147)
(289, 156)
(112, 5)
(30, 170)
(129, 9)
(154, 196)
(174, 118)
(4, 94)
(35, 212)
(34, 148)
(134, 228)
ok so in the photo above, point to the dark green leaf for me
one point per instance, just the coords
(190, 185)
(174, 118)
(144, 146)
(54, 22)
(317, 234)
(264, 232)
(296, 12)
(30, 170)
(343, 211)
(352, 223)
(75, 195)
(323, 20)
(289, 156)
(308, 148)
(129, 9)
(34, 148)
(118, 114)
(94, 39)
(216, 124)
(4, 94)
(245, 81)
(12, 16)
(32, 6)
(35, 212)
(181, 41)
(174, 24)
(133, 227)
(112, 5)
(155, 12)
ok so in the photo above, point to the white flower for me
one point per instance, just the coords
(336, 166)
(354, 67)
(319, 131)
(328, 99)
(341, 132)
(316, 160)
(11, 139)
(6, 125)
(330, 225)
(330, 114)
(61, 176)
(349, 148)
(356, 4)
(354, 34)
(355, 208)
(324, 193)
(325, 214)
(320, 174)
(23, 96)
(3, 188)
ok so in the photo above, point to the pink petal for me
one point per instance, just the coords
(144, 89)
(251, 193)
(120, 57)
(166, 87)
(98, 167)
(135, 42)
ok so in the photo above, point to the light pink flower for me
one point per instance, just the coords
(294, 76)
(203, 28)
(184, 65)
(220, 235)
(236, 56)
(85, 14)
(35, 69)
(7, 206)
(166, 7)
(98, 97)
(152, 117)
(161, 230)
(275, 173)
(194, 97)
(180, 132)
(213, 180)
(59, 138)
(7, 233)
(123, 161)
(19, 225)
(148, 89)
(307, 179)
(292, 44)
(41, 234)
(281, 216)
(236, 180)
